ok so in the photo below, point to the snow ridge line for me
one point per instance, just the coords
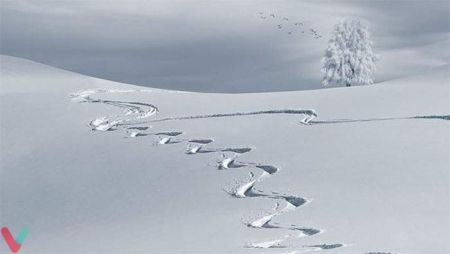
(135, 111)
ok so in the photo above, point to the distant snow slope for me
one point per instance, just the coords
(90, 165)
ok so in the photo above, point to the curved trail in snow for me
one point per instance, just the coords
(135, 112)
(247, 190)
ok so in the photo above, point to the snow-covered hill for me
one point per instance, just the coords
(94, 166)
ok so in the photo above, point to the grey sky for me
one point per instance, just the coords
(218, 46)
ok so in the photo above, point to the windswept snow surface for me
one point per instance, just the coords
(90, 165)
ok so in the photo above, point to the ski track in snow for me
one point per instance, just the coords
(133, 111)
(308, 114)
(267, 245)
(340, 121)
(136, 113)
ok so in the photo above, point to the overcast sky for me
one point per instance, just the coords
(218, 46)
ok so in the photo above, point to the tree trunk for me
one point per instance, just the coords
(348, 85)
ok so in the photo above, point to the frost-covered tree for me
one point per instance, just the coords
(349, 59)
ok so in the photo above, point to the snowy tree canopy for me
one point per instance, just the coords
(349, 59)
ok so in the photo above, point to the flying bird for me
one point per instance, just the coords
(314, 33)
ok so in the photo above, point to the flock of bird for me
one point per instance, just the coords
(288, 27)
